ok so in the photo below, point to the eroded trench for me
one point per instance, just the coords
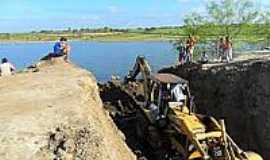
(122, 109)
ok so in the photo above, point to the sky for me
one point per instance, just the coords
(36, 15)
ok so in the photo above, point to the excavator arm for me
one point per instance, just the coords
(143, 67)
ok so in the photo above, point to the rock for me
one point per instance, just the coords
(56, 113)
(240, 92)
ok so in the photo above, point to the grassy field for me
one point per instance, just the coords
(112, 36)
(252, 33)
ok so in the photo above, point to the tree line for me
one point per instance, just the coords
(232, 18)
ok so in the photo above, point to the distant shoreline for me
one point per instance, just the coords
(91, 37)
(75, 40)
(19, 41)
(166, 33)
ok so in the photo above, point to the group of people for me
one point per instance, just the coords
(60, 49)
(224, 48)
(186, 50)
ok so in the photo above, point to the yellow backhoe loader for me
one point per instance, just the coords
(166, 118)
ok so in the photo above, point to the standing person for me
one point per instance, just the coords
(228, 49)
(190, 44)
(6, 68)
(230, 45)
(182, 54)
(221, 49)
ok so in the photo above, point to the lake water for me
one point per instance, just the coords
(101, 58)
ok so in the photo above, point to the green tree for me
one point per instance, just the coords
(75, 31)
(107, 29)
(265, 20)
(193, 22)
(229, 15)
(264, 17)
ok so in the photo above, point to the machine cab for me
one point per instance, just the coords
(168, 90)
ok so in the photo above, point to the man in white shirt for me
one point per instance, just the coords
(6, 68)
(177, 93)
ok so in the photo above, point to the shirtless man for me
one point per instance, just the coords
(190, 44)
(228, 49)
(66, 51)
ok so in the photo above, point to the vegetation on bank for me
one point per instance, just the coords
(248, 32)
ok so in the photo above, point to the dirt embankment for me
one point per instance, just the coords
(56, 113)
(238, 91)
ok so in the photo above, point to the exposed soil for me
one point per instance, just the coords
(56, 113)
(123, 111)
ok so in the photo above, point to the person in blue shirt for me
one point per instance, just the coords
(58, 48)
(61, 48)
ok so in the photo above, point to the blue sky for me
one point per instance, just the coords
(28, 15)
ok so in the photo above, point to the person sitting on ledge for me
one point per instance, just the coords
(6, 68)
(60, 49)
(204, 58)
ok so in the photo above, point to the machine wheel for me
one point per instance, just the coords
(254, 156)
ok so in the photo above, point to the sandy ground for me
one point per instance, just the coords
(56, 113)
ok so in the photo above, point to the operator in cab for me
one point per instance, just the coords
(178, 94)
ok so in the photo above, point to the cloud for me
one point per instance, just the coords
(182, 1)
(199, 9)
(114, 9)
